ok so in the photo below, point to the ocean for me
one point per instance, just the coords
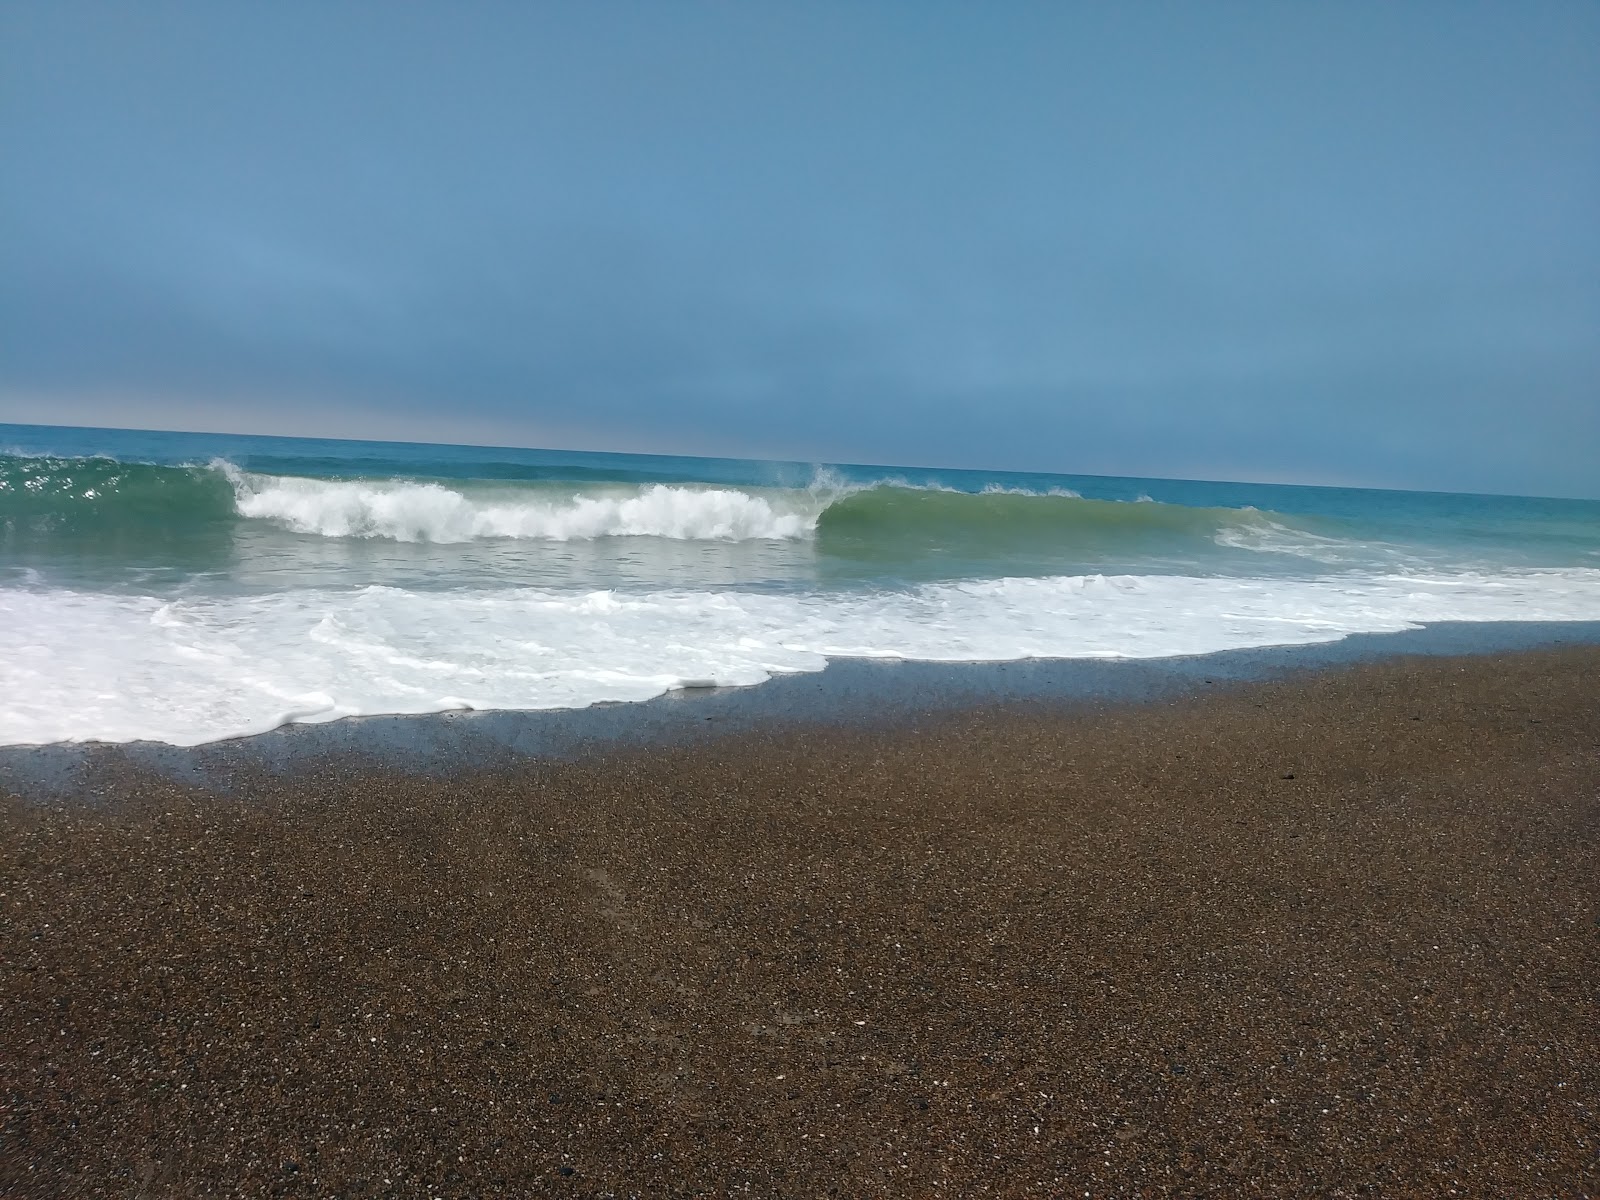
(187, 587)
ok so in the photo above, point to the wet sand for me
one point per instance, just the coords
(1332, 935)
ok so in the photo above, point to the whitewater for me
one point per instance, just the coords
(185, 588)
(433, 512)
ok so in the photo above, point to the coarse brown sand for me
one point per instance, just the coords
(1335, 935)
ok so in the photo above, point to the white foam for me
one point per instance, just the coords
(999, 489)
(1266, 536)
(433, 512)
(411, 511)
(80, 666)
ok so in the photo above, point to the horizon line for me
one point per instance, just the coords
(788, 461)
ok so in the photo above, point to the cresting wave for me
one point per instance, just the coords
(78, 665)
(188, 603)
(433, 512)
(40, 495)
(925, 518)
(44, 497)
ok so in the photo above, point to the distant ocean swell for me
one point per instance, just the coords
(45, 498)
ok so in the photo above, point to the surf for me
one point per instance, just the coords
(79, 665)
(428, 511)
(41, 497)
(188, 588)
(896, 519)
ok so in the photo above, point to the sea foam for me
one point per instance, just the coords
(77, 665)
(432, 512)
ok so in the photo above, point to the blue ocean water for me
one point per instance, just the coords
(184, 587)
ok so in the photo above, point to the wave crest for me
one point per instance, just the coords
(432, 512)
(41, 498)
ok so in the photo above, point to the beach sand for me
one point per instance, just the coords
(1337, 934)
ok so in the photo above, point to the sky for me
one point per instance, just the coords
(1354, 243)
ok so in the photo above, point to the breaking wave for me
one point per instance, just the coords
(42, 498)
(434, 512)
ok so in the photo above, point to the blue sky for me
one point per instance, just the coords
(1321, 243)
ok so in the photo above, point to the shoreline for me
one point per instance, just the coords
(1324, 932)
(849, 691)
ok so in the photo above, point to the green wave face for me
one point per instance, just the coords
(99, 505)
(898, 524)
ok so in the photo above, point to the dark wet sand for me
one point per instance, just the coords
(1338, 935)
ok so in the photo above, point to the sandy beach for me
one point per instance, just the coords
(1332, 935)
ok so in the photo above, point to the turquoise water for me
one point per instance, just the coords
(102, 507)
(189, 586)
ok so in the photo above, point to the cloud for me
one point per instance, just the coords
(1353, 244)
